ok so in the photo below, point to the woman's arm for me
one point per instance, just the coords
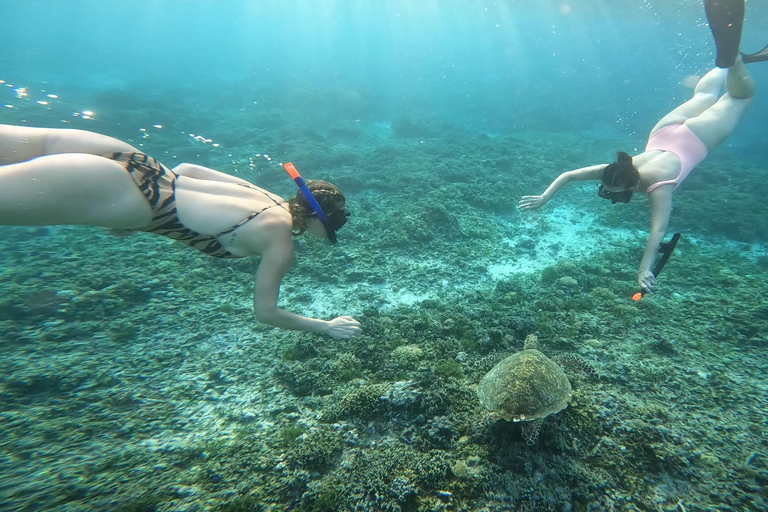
(275, 262)
(661, 209)
(593, 172)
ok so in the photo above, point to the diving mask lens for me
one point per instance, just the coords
(338, 218)
(616, 197)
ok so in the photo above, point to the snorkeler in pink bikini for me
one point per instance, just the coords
(681, 140)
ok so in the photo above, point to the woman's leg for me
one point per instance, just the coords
(717, 123)
(22, 143)
(705, 94)
(71, 189)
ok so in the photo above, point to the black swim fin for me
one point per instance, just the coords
(726, 18)
(760, 56)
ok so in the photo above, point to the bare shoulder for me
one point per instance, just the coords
(268, 235)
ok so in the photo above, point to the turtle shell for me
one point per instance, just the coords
(525, 386)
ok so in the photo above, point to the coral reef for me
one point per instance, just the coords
(145, 384)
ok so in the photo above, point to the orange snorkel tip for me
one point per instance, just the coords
(292, 170)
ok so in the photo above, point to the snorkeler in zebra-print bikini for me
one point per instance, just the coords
(58, 176)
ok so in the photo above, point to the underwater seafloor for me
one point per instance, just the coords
(134, 377)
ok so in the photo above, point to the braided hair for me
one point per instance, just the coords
(328, 196)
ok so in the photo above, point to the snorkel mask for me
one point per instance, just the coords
(331, 223)
(616, 197)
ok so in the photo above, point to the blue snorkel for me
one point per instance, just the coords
(312, 201)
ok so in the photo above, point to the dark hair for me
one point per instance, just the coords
(328, 196)
(621, 173)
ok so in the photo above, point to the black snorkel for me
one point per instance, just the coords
(665, 249)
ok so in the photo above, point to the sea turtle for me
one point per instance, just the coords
(525, 387)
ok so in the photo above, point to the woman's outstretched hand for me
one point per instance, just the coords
(532, 202)
(343, 327)
(646, 280)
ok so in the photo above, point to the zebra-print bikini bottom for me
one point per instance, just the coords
(158, 184)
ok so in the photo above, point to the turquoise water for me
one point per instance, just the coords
(504, 64)
(134, 376)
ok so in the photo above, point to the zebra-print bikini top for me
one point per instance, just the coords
(158, 184)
